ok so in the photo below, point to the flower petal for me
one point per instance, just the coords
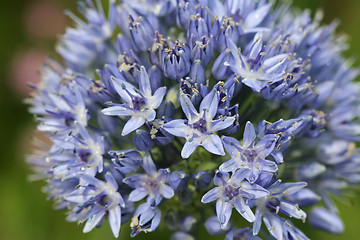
(132, 124)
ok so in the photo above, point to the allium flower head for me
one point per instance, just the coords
(156, 98)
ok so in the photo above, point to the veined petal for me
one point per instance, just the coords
(188, 107)
(115, 220)
(213, 144)
(158, 97)
(132, 124)
(223, 211)
(137, 194)
(222, 123)
(254, 191)
(257, 223)
(110, 179)
(292, 211)
(255, 17)
(229, 144)
(148, 164)
(229, 166)
(144, 84)
(189, 148)
(249, 134)
(244, 210)
(115, 111)
(176, 127)
(167, 192)
(272, 222)
(210, 196)
(119, 86)
(92, 221)
(210, 104)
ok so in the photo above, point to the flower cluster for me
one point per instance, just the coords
(175, 112)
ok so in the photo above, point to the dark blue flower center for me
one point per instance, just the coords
(231, 192)
(250, 155)
(200, 125)
(138, 102)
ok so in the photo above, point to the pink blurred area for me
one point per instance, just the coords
(25, 69)
(45, 19)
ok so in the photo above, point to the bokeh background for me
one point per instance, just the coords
(28, 32)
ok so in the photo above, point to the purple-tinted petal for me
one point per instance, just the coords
(137, 194)
(119, 86)
(132, 124)
(115, 220)
(257, 223)
(144, 84)
(244, 210)
(210, 104)
(229, 144)
(249, 134)
(176, 127)
(187, 107)
(291, 210)
(158, 97)
(221, 178)
(223, 211)
(115, 111)
(229, 166)
(210, 196)
(188, 149)
(148, 164)
(222, 123)
(167, 192)
(93, 221)
(323, 219)
(274, 225)
(110, 179)
(257, 16)
(213, 144)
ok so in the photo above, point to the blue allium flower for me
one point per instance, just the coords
(250, 156)
(151, 184)
(233, 192)
(140, 104)
(200, 127)
(263, 88)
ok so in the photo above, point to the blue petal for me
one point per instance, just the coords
(210, 196)
(188, 107)
(144, 84)
(257, 16)
(210, 104)
(222, 123)
(274, 225)
(221, 178)
(167, 192)
(110, 179)
(148, 164)
(176, 127)
(230, 145)
(229, 166)
(115, 111)
(189, 148)
(223, 211)
(137, 194)
(213, 144)
(158, 97)
(132, 124)
(115, 220)
(119, 84)
(93, 221)
(323, 219)
(244, 210)
(249, 134)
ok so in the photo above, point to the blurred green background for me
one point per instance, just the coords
(29, 29)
